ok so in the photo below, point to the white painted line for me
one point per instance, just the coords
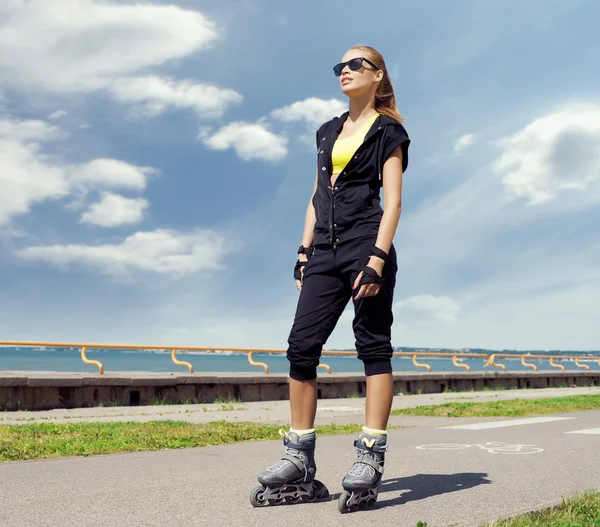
(506, 422)
(491, 448)
(591, 431)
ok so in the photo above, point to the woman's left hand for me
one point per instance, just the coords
(366, 290)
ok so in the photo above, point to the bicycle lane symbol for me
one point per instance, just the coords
(490, 447)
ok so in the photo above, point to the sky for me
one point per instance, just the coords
(157, 158)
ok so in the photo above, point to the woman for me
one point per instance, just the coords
(346, 252)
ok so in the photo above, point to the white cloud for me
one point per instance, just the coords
(114, 210)
(463, 142)
(29, 130)
(249, 140)
(313, 110)
(558, 152)
(58, 114)
(532, 269)
(510, 314)
(110, 173)
(28, 175)
(161, 251)
(82, 45)
(25, 176)
(427, 308)
(154, 95)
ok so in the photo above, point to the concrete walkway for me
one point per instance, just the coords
(445, 471)
(329, 411)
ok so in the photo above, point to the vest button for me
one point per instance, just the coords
(323, 168)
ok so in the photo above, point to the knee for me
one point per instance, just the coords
(303, 360)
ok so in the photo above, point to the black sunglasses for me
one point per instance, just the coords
(353, 64)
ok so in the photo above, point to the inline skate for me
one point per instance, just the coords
(363, 479)
(292, 478)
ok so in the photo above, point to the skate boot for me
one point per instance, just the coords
(362, 481)
(292, 478)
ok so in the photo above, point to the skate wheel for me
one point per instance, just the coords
(319, 491)
(276, 501)
(311, 497)
(257, 497)
(343, 502)
(293, 499)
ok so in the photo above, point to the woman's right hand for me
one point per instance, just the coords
(301, 258)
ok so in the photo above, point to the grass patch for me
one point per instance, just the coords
(510, 408)
(580, 511)
(227, 401)
(51, 440)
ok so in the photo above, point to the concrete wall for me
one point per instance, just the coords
(46, 390)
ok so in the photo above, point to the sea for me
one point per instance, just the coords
(69, 360)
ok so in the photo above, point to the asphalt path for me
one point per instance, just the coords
(349, 410)
(446, 472)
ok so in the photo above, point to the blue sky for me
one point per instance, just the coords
(156, 161)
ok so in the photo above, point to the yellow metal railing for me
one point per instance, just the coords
(459, 365)
(181, 363)
(88, 361)
(559, 366)
(439, 355)
(257, 363)
(581, 365)
(419, 364)
(532, 366)
(490, 360)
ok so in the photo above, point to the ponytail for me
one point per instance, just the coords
(385, 100)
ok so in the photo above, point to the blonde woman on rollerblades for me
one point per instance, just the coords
(346, 253)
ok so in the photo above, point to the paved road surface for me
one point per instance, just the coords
(329, 411)
(485, 468)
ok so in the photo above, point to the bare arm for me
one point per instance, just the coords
(309, 228)
(309, 223)
(392, 207)
(392, 203)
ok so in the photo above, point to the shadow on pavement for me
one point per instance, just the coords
(421, 486)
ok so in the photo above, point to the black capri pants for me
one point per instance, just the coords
(326, 290)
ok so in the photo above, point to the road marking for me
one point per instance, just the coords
(506, 422)
(490, 447)
(591, 431)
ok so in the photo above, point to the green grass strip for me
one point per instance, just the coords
(579, 511)
(509, 408)
(50, 440)
(582, 510)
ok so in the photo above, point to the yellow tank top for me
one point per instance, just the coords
(344, 149)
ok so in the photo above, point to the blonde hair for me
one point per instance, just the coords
(385, 100)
